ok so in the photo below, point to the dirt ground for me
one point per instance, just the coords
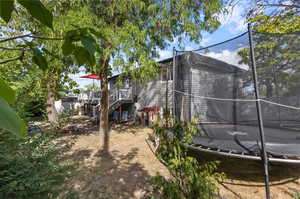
(127, 171)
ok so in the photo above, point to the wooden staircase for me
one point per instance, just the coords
(116, 99)
(119, 97)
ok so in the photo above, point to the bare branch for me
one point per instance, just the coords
(4, 48)
(30, 36)
(279, 5)
(13, 38)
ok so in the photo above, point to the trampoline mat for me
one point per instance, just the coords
(246, 139)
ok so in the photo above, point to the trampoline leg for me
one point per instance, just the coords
(259, 116)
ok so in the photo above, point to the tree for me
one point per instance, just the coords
(276, 53)
(126, 36)
(274, 8)
(44, 45)
(9, 120)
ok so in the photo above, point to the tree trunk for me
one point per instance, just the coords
(104, 127)
(50, 104)
(269, 90)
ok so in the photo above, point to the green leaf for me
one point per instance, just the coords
(89, 43)
(91, 60)
(39, 59)
(6, 92)
(67, 47)
(96, 33)
(6, 8)
(38, 11)
(9, 120)
(73, 35)
(81, 55)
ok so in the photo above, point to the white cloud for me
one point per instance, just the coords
(164, 54)
(188, 48)
(205, 41)
(235, 20)
(230, 57)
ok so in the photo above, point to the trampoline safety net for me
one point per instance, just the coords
(214, 86)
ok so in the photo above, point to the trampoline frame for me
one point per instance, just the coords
(233, 154)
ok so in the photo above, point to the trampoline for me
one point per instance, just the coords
(242, 141)
(246, 95)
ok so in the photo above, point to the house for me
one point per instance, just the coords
(194, 75)
(66, 103)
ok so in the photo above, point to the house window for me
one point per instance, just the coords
(165, 75)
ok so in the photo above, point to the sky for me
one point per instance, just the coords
(232, 24)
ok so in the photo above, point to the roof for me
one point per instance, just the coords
(200, 60)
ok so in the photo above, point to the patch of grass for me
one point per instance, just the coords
(33, 167)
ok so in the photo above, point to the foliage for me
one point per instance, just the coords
(32, 167)
(129, 33)
(276, 54)
(91, 87)
(12, 122)
(274, 10)
(62, 120)
(9, 120)
(287, 23)
(54, 68)
(36, 9)
(297, 195)
(190, 179)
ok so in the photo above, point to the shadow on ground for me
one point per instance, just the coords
(249, 173)
(113, 175)
(129, 127)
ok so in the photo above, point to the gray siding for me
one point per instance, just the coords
(153, 93)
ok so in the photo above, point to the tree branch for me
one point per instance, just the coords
(279, 5)
(10, 60)
(31, 36)
(13, 38)
(13, 59)
(4, 48)
(46, 38)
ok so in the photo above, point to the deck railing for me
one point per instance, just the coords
(120, 94)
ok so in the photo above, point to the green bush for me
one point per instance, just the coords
(32, 167)
(297, 195)
(190, 179)
(62, 119)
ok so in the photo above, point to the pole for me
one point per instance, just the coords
(174, 80)
(259, 115)
(167, 90)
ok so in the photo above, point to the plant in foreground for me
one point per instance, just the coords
(190, 179)
(32, 167)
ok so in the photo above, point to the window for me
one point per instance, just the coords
(165, 74)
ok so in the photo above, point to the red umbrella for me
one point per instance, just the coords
(91, 76)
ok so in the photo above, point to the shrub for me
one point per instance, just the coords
(190, 179)
(31, 167)
(297, 195)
